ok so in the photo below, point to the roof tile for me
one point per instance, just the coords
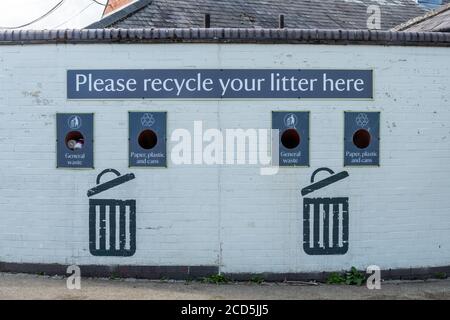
(324, 14)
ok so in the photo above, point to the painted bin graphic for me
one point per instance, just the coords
(325, 220)
(112, 223)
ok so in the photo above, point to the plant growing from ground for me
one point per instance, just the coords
(114, 276)
(354, 277)
(257, 279)
(441, 275)
(335, 278)
(216, 279)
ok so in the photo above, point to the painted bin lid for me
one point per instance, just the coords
(314, 186)
(100, 187)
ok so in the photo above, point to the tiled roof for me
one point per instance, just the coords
(433, 4)
(437, 20)
(305, 14)
(225, 35)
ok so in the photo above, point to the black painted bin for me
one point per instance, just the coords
(112, 239)
(334, 222)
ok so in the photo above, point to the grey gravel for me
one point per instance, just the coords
(25, 286)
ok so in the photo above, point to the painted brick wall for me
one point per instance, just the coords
(228, 215)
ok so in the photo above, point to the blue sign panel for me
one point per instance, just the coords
(75, 132)
(362, 139)
(147, 141)
(219, 84)
(294, 137)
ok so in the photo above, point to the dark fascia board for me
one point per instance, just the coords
(119, 15)
(225, 35)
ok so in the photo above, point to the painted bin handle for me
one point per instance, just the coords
(316, 172)
(109, 184)
(325, 182)
(117, 173)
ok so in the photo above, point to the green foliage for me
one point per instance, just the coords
(352, 277)
(335, 278)
(257, 279)
(440, 275)
(114, 276)
(216, 279)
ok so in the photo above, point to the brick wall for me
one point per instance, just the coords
(114, 5)
(228, 215)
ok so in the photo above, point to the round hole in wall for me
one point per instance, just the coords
(147, 139)
(290, 139)
(361, 138)
(74, 140)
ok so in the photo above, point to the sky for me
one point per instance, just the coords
(71, 14)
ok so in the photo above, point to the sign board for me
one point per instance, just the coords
(219, 84)
(362, 139)
(147, 140)
(75, 140)
(294, 137)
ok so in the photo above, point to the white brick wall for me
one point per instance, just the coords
(228, 215)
